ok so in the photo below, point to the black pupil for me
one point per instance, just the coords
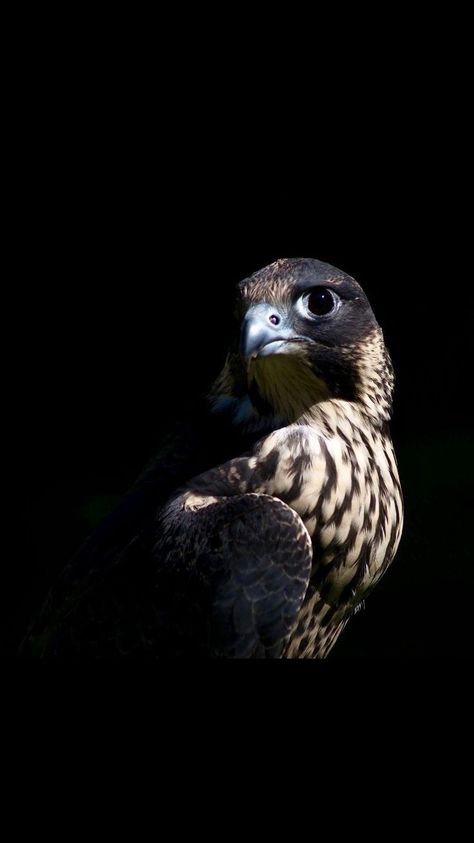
(320, 301)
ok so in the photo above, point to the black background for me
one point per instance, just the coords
(139, 209)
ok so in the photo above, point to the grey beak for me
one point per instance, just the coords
(264, 331)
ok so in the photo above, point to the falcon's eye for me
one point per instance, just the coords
(320, 301)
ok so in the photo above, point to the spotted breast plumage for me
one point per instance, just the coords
(265, 522)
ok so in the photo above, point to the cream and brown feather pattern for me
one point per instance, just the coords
(259, 533)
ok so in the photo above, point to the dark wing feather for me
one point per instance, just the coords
(251, 556)
(226, 580)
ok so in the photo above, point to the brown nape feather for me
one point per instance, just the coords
(374, 377)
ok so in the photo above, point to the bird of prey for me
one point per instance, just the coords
(270, 515)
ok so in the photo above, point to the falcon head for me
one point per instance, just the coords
(306, 334)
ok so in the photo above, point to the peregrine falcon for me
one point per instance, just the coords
(270, 515)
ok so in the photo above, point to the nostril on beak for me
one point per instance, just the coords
(274, 319)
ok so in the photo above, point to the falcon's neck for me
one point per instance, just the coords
(283, 389)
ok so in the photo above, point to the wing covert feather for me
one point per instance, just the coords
(253, 555)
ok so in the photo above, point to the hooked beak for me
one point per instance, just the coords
(265, 331)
